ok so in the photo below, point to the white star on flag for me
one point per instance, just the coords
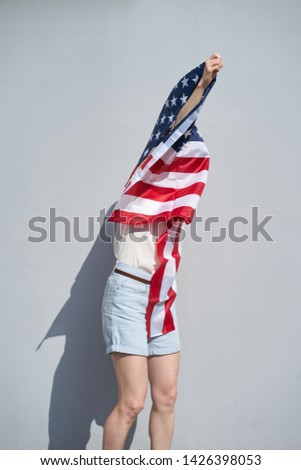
(183, 98)
(184, 82)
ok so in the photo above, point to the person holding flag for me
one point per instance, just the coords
(139, 321)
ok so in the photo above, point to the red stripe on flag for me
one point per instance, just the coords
(168, 320)
(145, 162)
(132, 218)
(181, 165)
(163, 194)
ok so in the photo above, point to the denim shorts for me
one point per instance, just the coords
(123, 316)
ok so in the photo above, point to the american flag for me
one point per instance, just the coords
(166, 185)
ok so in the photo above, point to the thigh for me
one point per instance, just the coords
(163, 372)
(132, 375)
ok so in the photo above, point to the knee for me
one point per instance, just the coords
(131, 408)
(165, 400)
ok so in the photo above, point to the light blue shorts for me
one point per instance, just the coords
(123, 316)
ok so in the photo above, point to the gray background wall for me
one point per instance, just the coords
(81, 84)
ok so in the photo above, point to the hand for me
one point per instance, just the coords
(212, 66)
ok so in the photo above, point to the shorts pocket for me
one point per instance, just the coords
(132, 285)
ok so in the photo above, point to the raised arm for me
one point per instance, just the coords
(212, 66)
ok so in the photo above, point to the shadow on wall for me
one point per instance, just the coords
(84, 385)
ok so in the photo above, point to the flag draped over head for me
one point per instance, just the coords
(165, 186)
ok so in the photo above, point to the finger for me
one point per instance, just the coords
(216, 61)
(215, 55)
(212, 67)
(213, 62)
(215, 68)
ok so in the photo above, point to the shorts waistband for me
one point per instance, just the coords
(133, 270)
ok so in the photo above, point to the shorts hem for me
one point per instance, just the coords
(154, 352)
(125, 350)
(151, 352)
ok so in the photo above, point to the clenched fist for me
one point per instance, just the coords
(213, 65)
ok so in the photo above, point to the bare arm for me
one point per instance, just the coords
(212, 66)
(190, 104)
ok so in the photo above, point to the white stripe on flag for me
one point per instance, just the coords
(151, 207)
(195, 149)
(157, 320)
(168, 180)
(185, 179)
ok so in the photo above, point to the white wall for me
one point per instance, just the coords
(81, 84)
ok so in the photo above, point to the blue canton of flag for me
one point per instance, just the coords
(176, 99)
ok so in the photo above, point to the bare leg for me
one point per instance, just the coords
(163, 375)
(132, 379)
